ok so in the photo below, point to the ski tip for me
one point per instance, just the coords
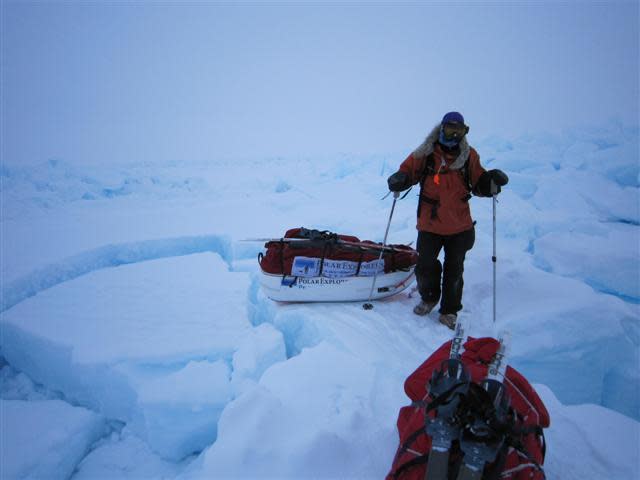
(499, 331)
(462, 326)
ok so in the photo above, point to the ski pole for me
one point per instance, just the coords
(494, 259)
(498, 179)
(368, 305)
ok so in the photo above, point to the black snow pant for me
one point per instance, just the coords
(430, 272)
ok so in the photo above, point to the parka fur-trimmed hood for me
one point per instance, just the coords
(426, 148)
(443, 199)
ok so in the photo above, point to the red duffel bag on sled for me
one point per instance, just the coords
(465, 424)
(319, 266)
(302, 242)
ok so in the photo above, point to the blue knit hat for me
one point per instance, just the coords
(453, 117)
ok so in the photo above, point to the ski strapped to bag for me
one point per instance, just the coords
(447, 388)
(484, 431)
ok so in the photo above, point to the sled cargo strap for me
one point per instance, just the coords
(324, 254)
(313, 234)
(359, 263)
(406, 446)
(411, 463)
(284, 274)
(443, 398)
(393, 261)
(519, 447)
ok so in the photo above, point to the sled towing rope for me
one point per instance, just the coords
(368, 305)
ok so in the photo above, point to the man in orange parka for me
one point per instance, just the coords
(448, 171)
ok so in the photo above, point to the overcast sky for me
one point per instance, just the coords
(96, 82)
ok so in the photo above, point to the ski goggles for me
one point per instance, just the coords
(454, 131)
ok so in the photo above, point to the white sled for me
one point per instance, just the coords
(322, 289)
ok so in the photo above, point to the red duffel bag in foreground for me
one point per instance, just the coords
(512, 425)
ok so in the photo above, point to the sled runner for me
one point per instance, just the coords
(320, 266)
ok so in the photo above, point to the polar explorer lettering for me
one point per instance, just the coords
(448, 171)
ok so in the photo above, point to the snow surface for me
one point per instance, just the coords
(41, 436)
(45, 439)
(128, 291)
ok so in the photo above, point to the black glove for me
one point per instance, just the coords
(483, 187)
(398, 182)
(499, 177)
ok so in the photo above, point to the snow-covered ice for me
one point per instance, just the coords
(575, 440)
(123, 455)
(131, 300)
(157, 329)
(45, 438)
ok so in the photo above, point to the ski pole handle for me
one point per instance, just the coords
(494, 188)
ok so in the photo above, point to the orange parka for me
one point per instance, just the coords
(443, 206)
